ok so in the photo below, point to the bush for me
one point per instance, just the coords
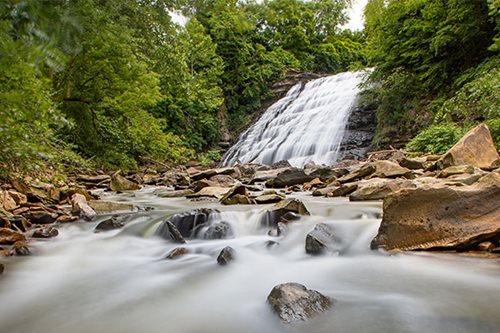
(436, 139)
(494, 125)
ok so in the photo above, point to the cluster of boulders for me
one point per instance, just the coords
(33, 209)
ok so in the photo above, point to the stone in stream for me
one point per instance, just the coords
(237, 195)
(115, 222)
(21, 248)
(41, 217)
(2, 268)
(81, 207)
(189, 223)
(9, 236)
(168, 231)
(319, 239)
(45, 232)
(226, 256)
(441, 217)
(220, 230)
(290, 177)
(293, 302)
(177, 252)
(273, 216)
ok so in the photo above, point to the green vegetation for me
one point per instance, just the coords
(437, 65)
(110, 83)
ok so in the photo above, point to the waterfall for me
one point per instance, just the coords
(307, 125)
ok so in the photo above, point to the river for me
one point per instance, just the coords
(118, 281)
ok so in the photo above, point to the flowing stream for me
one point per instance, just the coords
(307, 125)
(118, 281)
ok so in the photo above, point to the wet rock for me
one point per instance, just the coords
(169, 231)
(226, 256)
(41, 217)
(45, 232)
(388, 169)
(189, 223)
(220, 230)
(280, 165)
(475, 148)
(177, 252)
(316, 182)
(113, 223)
(363, 171)
(106, 207)
(376, 189)
(273, 216)
(2, 268)
(326, 173)
(293, 302)
(9, 236)
(21, 248)
(319, 239)
(222, 180)
(289, 177)
(288, 217)
(456, 170)
(237, 195)
(66, 218)
(81, 208)
(122, 184)
(439, 217)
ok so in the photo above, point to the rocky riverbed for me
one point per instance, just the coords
(318, 227)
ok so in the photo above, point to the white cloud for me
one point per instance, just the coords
(356, 20)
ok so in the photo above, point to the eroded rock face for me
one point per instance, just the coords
(293, 302)
(439, 217)
(475, 148)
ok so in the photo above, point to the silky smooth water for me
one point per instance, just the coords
(307, 125)
(118, 281)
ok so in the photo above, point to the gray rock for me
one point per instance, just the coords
(226, 256)
(290, 177)
(318, 240)
(113, 223)
(219, 230)
(168, 231)
(189, 223)
(293, 302)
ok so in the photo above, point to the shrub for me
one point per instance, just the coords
(436, 139)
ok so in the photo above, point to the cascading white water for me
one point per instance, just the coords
(306, 125)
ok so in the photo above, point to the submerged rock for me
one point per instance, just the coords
(189, 223)
(177, 252)
(293, 302)
(226, 256)
(168, 231)
(220, 230)
(113, 223)
(439, 217)
(319, 239)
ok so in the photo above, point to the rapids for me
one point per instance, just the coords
(307, 125)
(118, 281)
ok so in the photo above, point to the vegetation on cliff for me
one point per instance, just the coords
(437, 65)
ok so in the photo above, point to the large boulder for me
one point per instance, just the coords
(388, 169)
(476, 148)
(293, 302)
(439, 217)
(167, 230)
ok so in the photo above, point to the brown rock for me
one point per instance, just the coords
(7, 202)
(343, 190)
(378, 188)
(440, 217)
(388, 169)
(269, 198)
(45, 232)
(121, 184)
(313, 183)
(177, 252)
(174, 194)
(414, 163)
(211, 191)
(486, 246)
(364, 171)
(456, 170)
(9, 236)
(21, 248)
(19, 198)
(476, 148)
(40, 216)
(66, 218)
(105, 207)
(238, 194)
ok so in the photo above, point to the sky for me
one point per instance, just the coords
(355, 15)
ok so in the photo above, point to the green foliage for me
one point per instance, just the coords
(494, 125)
(436, 139)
